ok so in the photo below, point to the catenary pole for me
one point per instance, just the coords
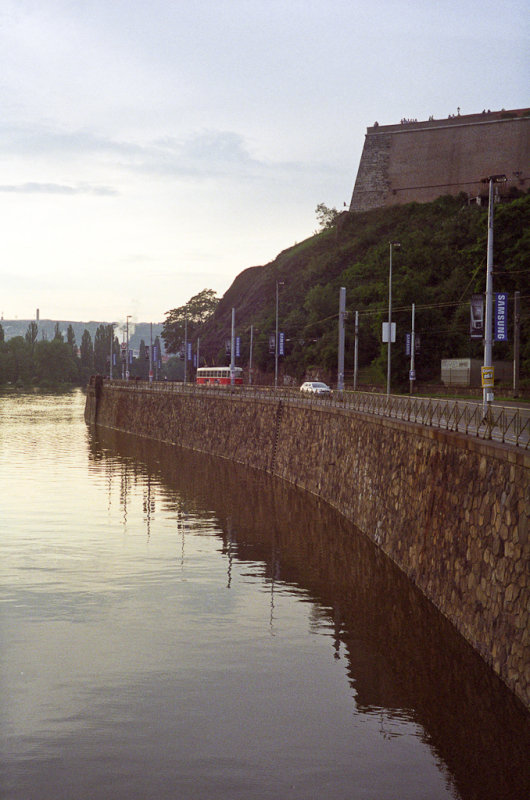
(342, 315)
(232, 348)
(356, 352)
(487, 391)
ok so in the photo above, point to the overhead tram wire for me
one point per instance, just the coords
(419, 307)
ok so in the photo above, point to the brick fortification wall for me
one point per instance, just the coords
(420, 161)
(450, 510)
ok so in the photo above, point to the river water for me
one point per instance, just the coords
(174, 626)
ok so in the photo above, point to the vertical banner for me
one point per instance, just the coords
(189, 351)
(501, 317)
(228, 347)
(281, 344)
(408, 337)
(476, 330)
(272, 343)
(238, 346)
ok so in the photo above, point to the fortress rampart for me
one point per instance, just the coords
(420, 161)
(451, 511)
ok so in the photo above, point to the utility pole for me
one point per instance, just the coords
(412, 373)
(151, 354)
(250, 357)
(516, 334)
(127, 350)
(186, 350)
(487, 370)
(342, 315)
(388, 365)
(356, 352)
(278, 283)
(111, 348)
(232, 348)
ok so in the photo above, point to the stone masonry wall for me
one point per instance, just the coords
(450, 510)
(421, 161)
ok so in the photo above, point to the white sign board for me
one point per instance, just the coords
(385, 331)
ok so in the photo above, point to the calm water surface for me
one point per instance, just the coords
(176, 627)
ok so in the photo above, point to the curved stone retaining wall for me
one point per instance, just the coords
(450, 510)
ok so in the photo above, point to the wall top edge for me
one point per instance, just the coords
(452, 122)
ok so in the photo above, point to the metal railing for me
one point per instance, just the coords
(507, 424)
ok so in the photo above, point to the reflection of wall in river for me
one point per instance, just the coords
(449, 510)
(404, 659)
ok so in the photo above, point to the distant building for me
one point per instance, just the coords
(420, 161)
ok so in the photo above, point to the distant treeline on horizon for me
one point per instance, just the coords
(137, 330)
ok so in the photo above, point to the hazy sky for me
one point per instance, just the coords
(153, 148)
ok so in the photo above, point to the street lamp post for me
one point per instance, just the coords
(389, 332)
(278, 283)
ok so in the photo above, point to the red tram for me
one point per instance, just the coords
(218, 376)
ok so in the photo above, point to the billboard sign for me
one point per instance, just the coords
(501, 317)
(476, 329)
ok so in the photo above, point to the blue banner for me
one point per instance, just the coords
(408, 337)
(501, 317)
(189, 351)
(238, 346)
(281, 344)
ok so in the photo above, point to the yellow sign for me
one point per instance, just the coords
(487, 377)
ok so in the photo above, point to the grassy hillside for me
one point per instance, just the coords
(441, 263)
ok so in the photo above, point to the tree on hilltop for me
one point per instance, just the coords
(326, 217)
(195, 312)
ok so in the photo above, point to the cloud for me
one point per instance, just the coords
(57, 188)
(201, 155)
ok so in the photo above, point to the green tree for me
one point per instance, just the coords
(31, 335)
(57, 335)
(87, 353)
(70, 340)
(18, 362)
(326, 217)
(195, 312)
(2, 337)
(54, 362)
(102, 339)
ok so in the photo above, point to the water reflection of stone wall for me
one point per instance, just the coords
(404, 659)
(451, 511)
